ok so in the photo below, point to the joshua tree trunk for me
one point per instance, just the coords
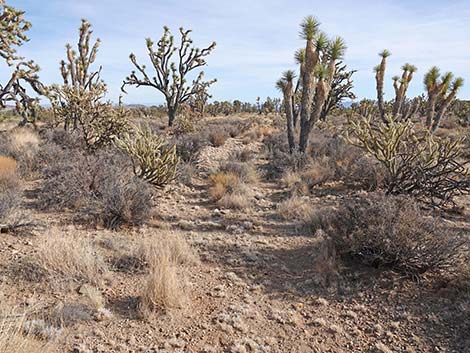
(171, 115)
(290, 121)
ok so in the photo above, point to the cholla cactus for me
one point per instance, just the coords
(418, 164)
(153, 160)
(170, 77)
(441, 93)
(78, 103)
(13, 34)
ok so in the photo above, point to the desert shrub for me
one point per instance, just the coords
(419, 164)
(317, 172)
(392, 231)
(245, 171)
(186, 172)
(367, 173)
(153, 159)
(188, 146)
(69, 257)
(217, 138)
(101, 187)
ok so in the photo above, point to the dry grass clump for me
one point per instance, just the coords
(9, 188)
(22, 144)
(165, 287)
(230, 191)
(245, 171)
(70, 257)
(393, 232)
(295, 208)
(15, 337)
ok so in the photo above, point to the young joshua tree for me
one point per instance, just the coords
(286, 86)
(379, 78)
(13, 28)
(171, 76)
(441, 91)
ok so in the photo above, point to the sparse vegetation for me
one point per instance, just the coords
(220, 226)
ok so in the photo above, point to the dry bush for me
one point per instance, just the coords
(245, 171)
(217, 138)
(165, 287)
(69, 257)
(15, 337)
(99, 187)
(316, 173)
(295, 208)
(237, 200)
(186, 172)
(392, 231)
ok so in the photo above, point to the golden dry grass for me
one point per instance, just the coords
(14, 338)
(295, 208)
(8, 167)
(222, 183)
(165, 287)
(70, 257)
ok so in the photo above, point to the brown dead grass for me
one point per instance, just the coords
(166, 286)
(14, 338)
(8, 166)
(68, 256)
(295, 208)
(222, 183)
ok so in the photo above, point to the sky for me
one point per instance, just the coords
(255, 39)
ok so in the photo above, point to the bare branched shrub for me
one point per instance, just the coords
(429, 168)
(391, 231)
(100, 187)
(245, 171)
(69, 257)
(153, 159)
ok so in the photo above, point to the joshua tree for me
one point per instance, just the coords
(321, 56)
(379, 78)
(441, 91)
(170, 78)
(286, 86)
(312, 97)
(341, 89)
(13, 28)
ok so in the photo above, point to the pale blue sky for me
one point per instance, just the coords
(255, 39)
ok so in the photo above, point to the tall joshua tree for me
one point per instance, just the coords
(13, 28)
(441, 91)
(171, 76)
(318, 68)
(286, 86)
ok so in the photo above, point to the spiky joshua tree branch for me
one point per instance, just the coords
(171, 75)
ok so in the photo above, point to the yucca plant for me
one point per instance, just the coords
(441, 91)
(153, 159)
